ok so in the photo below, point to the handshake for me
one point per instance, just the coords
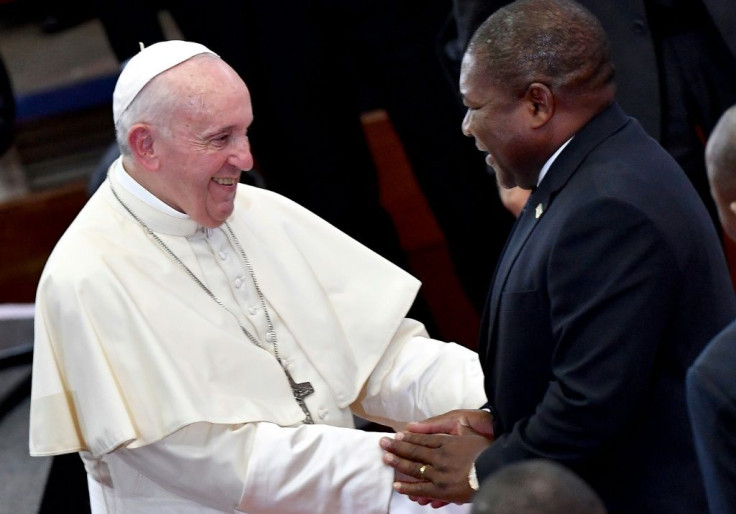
(434, 459)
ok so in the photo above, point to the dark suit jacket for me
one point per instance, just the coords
(711, 397)
(611, 283)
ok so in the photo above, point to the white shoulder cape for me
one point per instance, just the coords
(128, 349)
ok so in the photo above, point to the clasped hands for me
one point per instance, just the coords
(432, 458)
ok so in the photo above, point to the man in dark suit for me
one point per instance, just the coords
(711, 381)
(611, 283)
(675, 67)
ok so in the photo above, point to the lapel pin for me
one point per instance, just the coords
(539, 210)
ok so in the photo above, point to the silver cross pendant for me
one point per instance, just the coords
(301, 391)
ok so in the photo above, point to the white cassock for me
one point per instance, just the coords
(173, 409)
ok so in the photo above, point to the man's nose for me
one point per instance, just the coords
(465, 126)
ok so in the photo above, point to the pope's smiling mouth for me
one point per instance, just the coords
(225, 181)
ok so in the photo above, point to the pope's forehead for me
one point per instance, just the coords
(205, 77)
(208, 103)
(200, 67)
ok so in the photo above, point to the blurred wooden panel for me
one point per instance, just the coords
(420, 235)
(30, 226)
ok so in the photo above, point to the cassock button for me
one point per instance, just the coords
(322, 413)
(252, 310)
(269, 336)
(223, 255)
(238, 283)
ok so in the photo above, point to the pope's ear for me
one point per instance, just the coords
(541, 103)
(140, 140)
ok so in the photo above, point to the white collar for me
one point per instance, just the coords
(143, 194)
(155, 214)
(549, 162)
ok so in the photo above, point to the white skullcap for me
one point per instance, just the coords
(148, 63)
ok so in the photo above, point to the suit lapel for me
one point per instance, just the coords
(522, 229)
(561, 171)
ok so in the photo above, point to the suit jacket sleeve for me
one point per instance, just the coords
(711, 401)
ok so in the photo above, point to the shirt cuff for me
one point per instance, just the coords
(473, 479)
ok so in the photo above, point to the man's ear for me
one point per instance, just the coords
(541, 103)
(140, 140)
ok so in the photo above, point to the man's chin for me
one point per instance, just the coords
(504, 180)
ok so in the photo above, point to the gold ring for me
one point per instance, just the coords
(421, 471)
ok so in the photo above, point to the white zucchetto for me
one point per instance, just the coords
(145, 65)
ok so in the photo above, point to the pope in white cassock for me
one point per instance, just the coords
(204, 344)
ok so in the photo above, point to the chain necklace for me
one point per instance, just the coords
(299, 390)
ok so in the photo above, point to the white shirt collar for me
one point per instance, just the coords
(549, 162)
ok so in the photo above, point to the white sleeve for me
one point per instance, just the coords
(420, 377)
(264, 468)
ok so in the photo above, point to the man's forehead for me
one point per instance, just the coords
(469, 60)
(473, 74)
(474, 65)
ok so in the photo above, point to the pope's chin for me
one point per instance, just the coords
(217, 216)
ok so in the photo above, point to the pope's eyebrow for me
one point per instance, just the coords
(218, 131)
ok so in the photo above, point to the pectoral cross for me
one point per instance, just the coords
(301, 391)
